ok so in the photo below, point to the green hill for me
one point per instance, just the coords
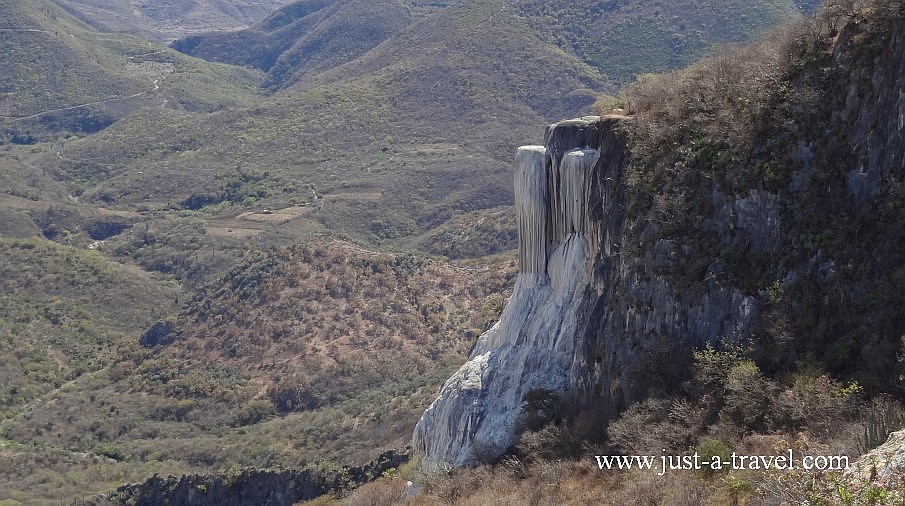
(625, 38)
(163, 21)
(63, 76)
(311, 355)
(620, 39)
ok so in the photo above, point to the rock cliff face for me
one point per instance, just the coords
(580, 319)
(254, 486)
(610, 302)
(533, 344)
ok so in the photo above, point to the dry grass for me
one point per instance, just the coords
(326, 351)
(572, 482)
(328, 310)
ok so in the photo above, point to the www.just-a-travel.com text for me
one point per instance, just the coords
(695, 462)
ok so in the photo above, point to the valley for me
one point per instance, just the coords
(263, 234)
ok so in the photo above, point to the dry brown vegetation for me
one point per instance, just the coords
(308, 324)
(728, 118)
(728, 406)
(305, 355)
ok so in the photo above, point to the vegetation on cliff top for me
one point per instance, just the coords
(777, 123)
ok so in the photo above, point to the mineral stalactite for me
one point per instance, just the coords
(531, 200)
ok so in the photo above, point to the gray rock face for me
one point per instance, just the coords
(533, 345)
(579, 317)
(884, 465)
(875, 100)
(265, 487)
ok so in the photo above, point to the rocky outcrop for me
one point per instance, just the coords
(884, 466)
(580, 320)
(532, 346)
(874, 107)
(254, 487)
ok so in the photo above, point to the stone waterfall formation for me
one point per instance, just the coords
(533, 344)
(580, 320)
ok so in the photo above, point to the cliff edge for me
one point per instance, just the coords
(772, 222)
(566, 328)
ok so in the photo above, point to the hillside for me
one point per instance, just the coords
(165, 21)
(65, 313)
(306, 37)
(312, 355)
(65, 77)
(618, 39)
(371, 154)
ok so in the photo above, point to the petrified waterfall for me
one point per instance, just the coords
(594, 313)
(531, 200)
(552, 201)
(533, 344)
(615, 293)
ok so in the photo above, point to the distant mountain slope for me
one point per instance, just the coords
(394, 143)
(619, 38)
(163, 21)
(623, 38)
(383, 140)
(62, 75)
(260, 46)
(305, 37)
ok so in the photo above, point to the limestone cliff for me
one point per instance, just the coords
(533, 345)
(611, 299)
(569, 326)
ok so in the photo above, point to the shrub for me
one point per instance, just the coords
(294, 394)
(711, 366)
(651, 426)
(710, 449)
(543, 444)
(710, 372)
(384, 491)
(252, 413)
(816, 403)
(541, 406)
(111, 451)
(747, 397)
